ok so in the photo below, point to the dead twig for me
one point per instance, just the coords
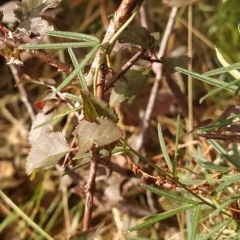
(89, 189)
(23, 93)
(125, 68)
(41, 55)
(158, 70)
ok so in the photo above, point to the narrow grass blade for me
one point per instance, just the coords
(13, 216)
(193, 181)
(209, 165)
(161, 216)
(72, 97)
(195, 222)
(224, 153)
(235, 156)
(176, 147)
(169, 194)
(73, 35)
(76, 70)
(164, 149)
(235, 74)
(57, 117)
(218, 90)
(220, 70)
(225, 184)
(57, 214)
(20, 213)
(215, 230)
(220, 124)
(208, 80)
(58, 45)
(224, 205)
(79, 74)
(54, 203)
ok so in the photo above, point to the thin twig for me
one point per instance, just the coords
(189, 120)
(23, 93)
(62, 67)
(41, 55)
(101, 80)
(158, 70)
(144, 15)
(89, 189)
(90, 186)
(121, 16)
(125, 68)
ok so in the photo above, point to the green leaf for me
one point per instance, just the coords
(58, 45)
(224, 69)
(224, 153)
(168, 194)
(73, 35)
(215, 230)
(161, 216)
(46, 151)
(195, 221)
(170, 63)
(94, 107)
(224, 205)
(81, 78)
(57, 117)
(208, 80)
(100, 133)
(220, 124)
(136, 79)
(234, 73)
(209, 165)
(215, 91)
(137, 36)
(76, 70)
(233, 180)
(235, 156)
(164, 149)
(176, 147)
(72, 97)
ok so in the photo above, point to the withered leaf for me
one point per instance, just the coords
(33, 8)
(46, 151)
(99, 133)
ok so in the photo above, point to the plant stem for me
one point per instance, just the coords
(125, 68)
(89, 189)
(126, 11)
(158, 69)
(41, 55)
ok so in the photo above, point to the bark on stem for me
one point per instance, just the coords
(122, 14)
(89, 189)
